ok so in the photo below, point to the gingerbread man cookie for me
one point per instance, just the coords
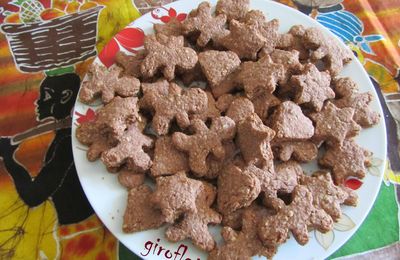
(130, 150)
(131, 63)
(240, 109)
(211, 111)
(88, 134)
(169, 101)
(267, 29)
(195, 225)
(210, 28)
(166, 53)
(296, 217)
(245, 243)
(107, 83)
(110, 123)
(205, 141)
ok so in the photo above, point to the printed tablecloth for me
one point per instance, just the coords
(44, 213)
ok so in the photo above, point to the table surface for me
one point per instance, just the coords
(43, 210)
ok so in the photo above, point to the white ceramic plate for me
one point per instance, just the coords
(108, 197)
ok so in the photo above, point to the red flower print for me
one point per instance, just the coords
(107, 55)
(353, 184)
(172, 12)
(165, 15)
(88, 117)
(131, 38)
(128, 38)
(165, 19)
(181, 17)
(46, 3)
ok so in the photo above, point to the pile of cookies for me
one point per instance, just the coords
(230, 153)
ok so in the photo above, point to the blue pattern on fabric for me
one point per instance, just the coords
(348, 28)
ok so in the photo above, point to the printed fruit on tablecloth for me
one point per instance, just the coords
(145, 6)
(13, 18)
(87, 5)
(51, 13)
(73, 7)
(29, 10)
(60, 4)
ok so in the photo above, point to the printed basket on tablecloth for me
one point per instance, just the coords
(56, 43)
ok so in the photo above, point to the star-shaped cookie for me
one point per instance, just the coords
(260, 77)
(312, 87)
(333, 124)
(253, 140)
(233, 9)
(347, 89)
(140, 214)
(293, 40)
(348, 160)
(327, 195)
(327, 49)
(263, 103)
